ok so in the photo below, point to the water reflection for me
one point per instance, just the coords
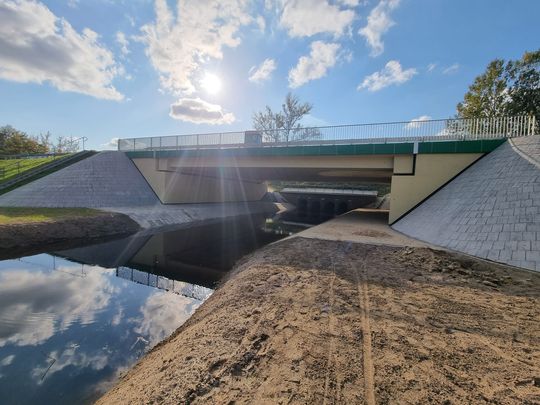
(71, 321)
(199, 255)
(65, 328)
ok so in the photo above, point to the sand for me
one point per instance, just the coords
(310, 321)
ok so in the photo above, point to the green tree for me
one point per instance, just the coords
(13, 141)
(285, 125)
(505, 88)
(524, 76)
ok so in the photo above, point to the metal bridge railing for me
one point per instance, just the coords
(407, 131)
(188, 290)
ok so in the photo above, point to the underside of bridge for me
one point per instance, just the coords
(203, 176)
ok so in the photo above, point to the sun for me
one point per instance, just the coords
(211, 83)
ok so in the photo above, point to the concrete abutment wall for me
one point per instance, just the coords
(491, 210)
(174, 187)
(430, 171)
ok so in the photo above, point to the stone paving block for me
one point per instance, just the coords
(529, 235)
(528, 265)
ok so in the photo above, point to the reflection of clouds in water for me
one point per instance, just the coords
(69, 357)
(162, 314)
(106, 384)
(6, 361)
(117, 318)
(34, 304)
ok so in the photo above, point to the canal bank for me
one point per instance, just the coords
(72, 319)
(25, 231)
(307, 320)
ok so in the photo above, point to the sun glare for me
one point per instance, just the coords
(211, 83)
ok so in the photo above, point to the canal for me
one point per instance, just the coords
(72, 321)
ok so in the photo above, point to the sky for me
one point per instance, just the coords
(109, 69)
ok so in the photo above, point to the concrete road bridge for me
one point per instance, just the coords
(416, 158)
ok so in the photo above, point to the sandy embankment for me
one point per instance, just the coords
(307, 321)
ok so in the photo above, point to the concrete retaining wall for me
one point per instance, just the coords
(492, 210)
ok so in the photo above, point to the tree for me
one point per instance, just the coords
(505, 88)
(13, 141)
(525, 90)
(285, 125)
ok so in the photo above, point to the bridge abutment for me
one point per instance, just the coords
(176, 187)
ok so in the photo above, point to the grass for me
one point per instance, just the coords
(43, 173)
(20, 215)
(13, 167)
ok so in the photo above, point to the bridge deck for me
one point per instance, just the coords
(390, 148)
(364, 137)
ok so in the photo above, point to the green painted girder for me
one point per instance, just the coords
(396, 148)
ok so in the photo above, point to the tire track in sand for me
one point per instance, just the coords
(338, 256)
(331, 331)
(363, 297)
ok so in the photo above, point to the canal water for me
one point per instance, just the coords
(72, 321)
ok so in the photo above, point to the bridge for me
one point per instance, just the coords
(415, 158)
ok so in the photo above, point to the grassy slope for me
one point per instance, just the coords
(12, 168)
(18, 215)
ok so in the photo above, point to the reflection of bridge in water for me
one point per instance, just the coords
(188, 261)
(189, 290)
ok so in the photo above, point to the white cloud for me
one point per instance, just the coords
(310, 120)
(179, 44)
(391, 74)
(36, 46)
(263, 71)
(122, 41)
(451, 69)
(378, 23)
(431, 67)
(112, 144)
(321, 57)
(416, 122)
(261, 23)
(131, 20)
(305, 18)
(200, 112)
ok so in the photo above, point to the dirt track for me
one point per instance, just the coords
(307, 321)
